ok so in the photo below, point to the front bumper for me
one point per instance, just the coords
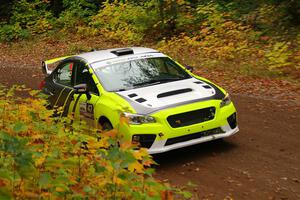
(159, 146)
(168, 138)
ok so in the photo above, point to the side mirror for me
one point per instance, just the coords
(190, 68)
(82, 89)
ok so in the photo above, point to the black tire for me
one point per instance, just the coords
(106, 125)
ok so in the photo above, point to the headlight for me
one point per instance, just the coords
(138, 119)
(225, 101)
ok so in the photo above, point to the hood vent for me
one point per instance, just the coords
(206, 87)
(140, 100)
(132, 95)
(174, 92)
(198, 82)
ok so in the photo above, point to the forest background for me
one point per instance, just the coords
(260, 38)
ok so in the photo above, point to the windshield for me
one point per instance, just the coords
(139, 73)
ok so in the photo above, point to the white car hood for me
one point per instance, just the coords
(149, 99)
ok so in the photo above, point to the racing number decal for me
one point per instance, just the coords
(86, 110)
(90, 108)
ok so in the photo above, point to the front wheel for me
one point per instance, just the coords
(106, 126)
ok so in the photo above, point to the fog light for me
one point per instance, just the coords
(143, 140)
(136, 139)
(232, 121)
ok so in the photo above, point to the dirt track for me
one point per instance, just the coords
(261, 162)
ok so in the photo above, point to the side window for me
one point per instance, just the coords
(172, 68)
(83, 76)
(64, 74)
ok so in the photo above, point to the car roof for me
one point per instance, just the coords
(100, 55)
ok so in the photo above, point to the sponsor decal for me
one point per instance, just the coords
(86, 110)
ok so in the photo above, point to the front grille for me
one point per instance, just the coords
(232, 121)
(194, 136)
(192, 117)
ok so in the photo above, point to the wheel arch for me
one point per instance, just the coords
(103, 119)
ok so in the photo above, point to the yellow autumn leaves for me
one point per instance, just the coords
(49, 158)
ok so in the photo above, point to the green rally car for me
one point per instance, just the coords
(166, 106)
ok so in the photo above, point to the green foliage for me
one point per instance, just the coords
(122, 21)
(32, 15)
(173, 16)
(279, 55)
(219, 42)
(130, 21)
(76, 13)
(12, 32)
(247, 36)
(267, 17)
(210, 15)
(226, 43)
(51, 158)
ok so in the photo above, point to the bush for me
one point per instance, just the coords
(131, 21)
(52, 158)
(12, 32)
(76, 13)
(172, 17)
(32, 15)
(279, 55)
(220, 42)
(122, 21)
(224, 43)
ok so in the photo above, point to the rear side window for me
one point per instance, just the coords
(64, 74)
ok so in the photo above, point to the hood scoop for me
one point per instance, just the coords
(174, 92)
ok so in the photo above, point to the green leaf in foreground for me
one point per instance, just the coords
(19, 127)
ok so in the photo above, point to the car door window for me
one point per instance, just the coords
(64, 74)
(83, 76)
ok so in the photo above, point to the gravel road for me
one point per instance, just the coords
(262, 161)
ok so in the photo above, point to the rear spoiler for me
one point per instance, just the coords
(45, 68)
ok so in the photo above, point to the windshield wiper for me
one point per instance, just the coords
(147, 83)
(158, 81)
(171, 79)
(118, 90)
